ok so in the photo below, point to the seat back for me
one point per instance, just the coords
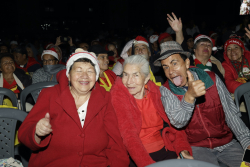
(182, 163)
(8, 120)
(11, 95)
(34, 90)
(240, 91)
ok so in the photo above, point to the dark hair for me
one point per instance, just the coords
(184, 57)
(202, 40)
(5, 46)
(86, 60)
(2, 55)
(21, 49)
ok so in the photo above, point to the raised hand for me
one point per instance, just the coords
(70, 41)
(58, 41)
(174, 22)
(195, 88)
(247, 31)
(43, 128)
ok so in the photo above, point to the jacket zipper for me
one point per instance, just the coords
(210, 143)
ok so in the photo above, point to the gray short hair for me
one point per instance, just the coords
(140, 61)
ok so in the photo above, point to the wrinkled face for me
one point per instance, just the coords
(203, 50)
(234, 52)
(3, 49)
(112, 47)
(84, 46)
(190, 43)
(29, 52)
(142, 49)
(82, 77)
(167, 39)
(103, 61)
(175, 69)
(7, 65)
(49, 60)
(19, 58)
(134, 80)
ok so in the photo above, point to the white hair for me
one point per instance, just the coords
(140, 61)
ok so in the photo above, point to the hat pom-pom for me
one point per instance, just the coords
(214, 48)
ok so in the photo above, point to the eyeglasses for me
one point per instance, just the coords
(49, 61)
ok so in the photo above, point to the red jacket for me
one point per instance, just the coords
(130, 122)
(31, 61)
(97, 144)
(231, 74)
(207, 127)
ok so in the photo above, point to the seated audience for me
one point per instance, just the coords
(106, 77)
(4, 48)
(145, 129)
(74, 123)
(32, 52)
(50, 67)
(22, 61)
(207, 114)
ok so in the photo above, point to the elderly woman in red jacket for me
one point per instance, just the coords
(74, 123)
(236, 64)
(146, 131)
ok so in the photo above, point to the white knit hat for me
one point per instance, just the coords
(80, 53)
(128, 45)
(51, 51)
(153, 38)
(13, 42)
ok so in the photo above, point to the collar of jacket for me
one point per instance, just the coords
(203, 76)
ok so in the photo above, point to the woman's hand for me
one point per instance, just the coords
(70, 41)
(174, 22)
(185, 155)
(43, 128)
(58, 41)
(247, 31)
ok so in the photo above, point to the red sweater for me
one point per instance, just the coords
(97, 144)
(231, 74)
(130, 123)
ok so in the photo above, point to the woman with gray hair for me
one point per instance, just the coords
(74, 123)
(144, 126)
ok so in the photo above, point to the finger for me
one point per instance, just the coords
(46, 124)
(190, 76)
(249, 26)
(247, 30)
(248, 35)
(178, 157)
(180, 20)
(174, 16)
(47, 117)
(44, 128)
(170, 17)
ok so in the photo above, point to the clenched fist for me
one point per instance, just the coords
(195, 88)
(43, 128)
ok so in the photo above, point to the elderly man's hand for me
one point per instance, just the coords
(174, 22)
(43, 128)
(195, 88)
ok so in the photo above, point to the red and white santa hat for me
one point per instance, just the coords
(153, 38)
(140, 39)
(80, 53)
(235, 41)
(51, 51)
(200, 36)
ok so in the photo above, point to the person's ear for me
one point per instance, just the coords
(147, 79)
(187, 63)
(194, 50)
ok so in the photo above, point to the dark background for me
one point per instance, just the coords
(34, 17)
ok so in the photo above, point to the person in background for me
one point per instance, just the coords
(32, 52)
(74, 123)
(106, 76)
(13, 45)
(22, 61)
(145, 129)
(4, 48)
(50, 67)
(153, 42)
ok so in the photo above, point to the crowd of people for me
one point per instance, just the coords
(133, 102)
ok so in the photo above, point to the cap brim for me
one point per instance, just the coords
(169, 53)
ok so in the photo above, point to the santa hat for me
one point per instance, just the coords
(80, 53)
(234, 41)
(48, 45)
(140, 39)
(128, 45)
(153, 38)
(200, 36)
(163, 36)
(51, 51)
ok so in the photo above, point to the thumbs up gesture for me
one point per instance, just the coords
(195, 88)
(43, 126)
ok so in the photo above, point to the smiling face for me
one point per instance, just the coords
(175, 69)
(234, 52)
(103, 61)
(82, 77)
(134, 80)
(142, 49)
(203, 50)
(7, 65)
